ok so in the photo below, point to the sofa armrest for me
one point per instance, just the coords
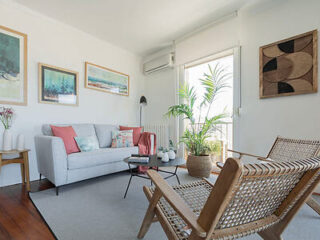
(52, 158)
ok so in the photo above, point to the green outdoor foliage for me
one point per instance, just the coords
(214, 147)
(196, 137)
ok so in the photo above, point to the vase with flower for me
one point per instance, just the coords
(6, 116)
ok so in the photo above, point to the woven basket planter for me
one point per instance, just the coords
(199, 166)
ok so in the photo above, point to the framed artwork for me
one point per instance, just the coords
(107, 80)
(58, 85)
(13, 67)
(290, 66)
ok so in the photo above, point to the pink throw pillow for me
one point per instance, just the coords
(67, 134)
(136, 133)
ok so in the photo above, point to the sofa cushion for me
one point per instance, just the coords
(104, 134)
(87, 144)
(81, 129)
(99, 157)
(136, 133)
(67, 134)
(121, 139)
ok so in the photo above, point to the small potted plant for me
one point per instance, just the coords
(196, 135)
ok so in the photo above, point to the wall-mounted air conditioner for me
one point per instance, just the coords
(158, 63)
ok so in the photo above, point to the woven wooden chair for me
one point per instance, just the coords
(255, 198)
(286, 149)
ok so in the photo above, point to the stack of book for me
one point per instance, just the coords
(136, 158)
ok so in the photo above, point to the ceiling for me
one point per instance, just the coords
(140, 26)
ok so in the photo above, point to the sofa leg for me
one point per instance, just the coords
(57, 191)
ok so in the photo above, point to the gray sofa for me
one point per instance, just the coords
(61, 169)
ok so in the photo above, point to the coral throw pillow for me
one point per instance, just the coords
(67, 134)
(136, 133)
(121, 139)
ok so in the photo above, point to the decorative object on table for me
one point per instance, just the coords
(172, 151)
(20, 142)
(67, 134)
(165, 157)
(143, 103)
(58, 85)
(139, 159)
(13, 67)
(196, 135)
(23, 159)
(105, 79)
(122, 139)
(87, 144)
(6, 117)
(136, 133)
(160, 152)
(290, 66)
(171, 154)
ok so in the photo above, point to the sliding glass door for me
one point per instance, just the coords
(227, 101)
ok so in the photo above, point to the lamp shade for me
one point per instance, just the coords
(143, 100)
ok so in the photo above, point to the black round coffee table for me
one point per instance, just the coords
(154, 163)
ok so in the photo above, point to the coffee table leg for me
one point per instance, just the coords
(128, 187)
(129, 181)
(175, 173)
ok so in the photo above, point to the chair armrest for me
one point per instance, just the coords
(52, 158)
(176, 202)
(220, 164)
(245, 154)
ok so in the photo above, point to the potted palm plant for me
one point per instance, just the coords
(198, 132)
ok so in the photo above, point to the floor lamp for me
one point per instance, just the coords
(143, 103)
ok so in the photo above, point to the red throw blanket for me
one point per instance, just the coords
(145, 147)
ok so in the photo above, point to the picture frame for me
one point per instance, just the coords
(107, 80)
(289, 67)
(13, 67)
(58, 85)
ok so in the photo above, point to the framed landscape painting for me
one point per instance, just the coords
(57, 85)
(13, 67)
(290, 66)
(107, 80)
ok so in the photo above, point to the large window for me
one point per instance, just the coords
(222, 138)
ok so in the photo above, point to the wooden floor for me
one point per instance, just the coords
(19, 219)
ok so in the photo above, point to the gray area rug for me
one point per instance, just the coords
(95, 210)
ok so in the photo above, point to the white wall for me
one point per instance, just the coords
(60, 45)
(258, 24)
(160, 92)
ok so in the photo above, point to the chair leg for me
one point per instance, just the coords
(150, 214)
(314, 204)
(40, 177)
(57, 191)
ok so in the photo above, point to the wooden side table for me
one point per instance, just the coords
(22, 159)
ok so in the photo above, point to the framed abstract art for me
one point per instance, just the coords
(58, 85)
(105, 79)
(13, 67)
(290, 66)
